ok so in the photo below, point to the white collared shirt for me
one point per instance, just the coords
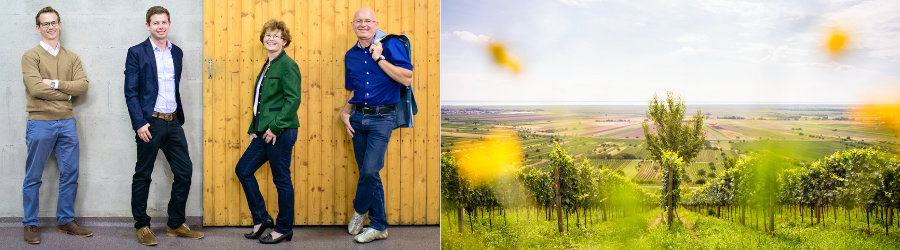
(52, 51)
(165, 77)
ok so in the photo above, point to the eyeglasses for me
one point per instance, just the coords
(272, 36)
(367, 21)
(48, 24)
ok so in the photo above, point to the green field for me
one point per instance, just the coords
(525, 229)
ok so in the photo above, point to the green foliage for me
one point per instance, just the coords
(671, 163)
(454, 188)
(672, 132)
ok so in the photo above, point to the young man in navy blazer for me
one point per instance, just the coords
(152, 75)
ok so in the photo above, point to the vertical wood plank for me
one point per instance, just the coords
(341, 161)
(208, 182)
(232, 105)
(219, 95)
(420, 75)
(301, 147)
(315, 113)
(433, 117)
(246, 93)
(328, 143)
(406, 137)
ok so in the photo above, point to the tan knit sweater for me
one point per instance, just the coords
(44, 102)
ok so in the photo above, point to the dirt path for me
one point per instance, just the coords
(656, 221)
(537, 163)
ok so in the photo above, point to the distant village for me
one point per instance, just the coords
(470, 111)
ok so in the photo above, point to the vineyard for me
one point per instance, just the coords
(585, 193)
(648, 172)
(775, 187)
(598, 208)
(855, 183)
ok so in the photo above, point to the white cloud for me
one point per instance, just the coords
(685, 51)
(471, 37)
(692, 39)
(579, 3)
(640, 24)
(755, 48)
(741, 7)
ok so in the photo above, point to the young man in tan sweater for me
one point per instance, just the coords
(52, 75)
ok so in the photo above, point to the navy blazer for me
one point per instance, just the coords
(141, 87)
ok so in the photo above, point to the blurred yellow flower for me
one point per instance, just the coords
(500, 56)
(498, 153)
(836, 41)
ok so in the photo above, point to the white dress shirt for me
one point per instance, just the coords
(165, 77)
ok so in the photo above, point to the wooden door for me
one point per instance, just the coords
(323, 167)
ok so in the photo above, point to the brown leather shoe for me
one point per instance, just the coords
(145, 236)
(183, 231)
(31, 234)
(74, 229)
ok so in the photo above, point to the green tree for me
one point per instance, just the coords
(672, 132)
(671, 193)
(673, 141)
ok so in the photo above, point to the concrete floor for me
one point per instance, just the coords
(118, 233)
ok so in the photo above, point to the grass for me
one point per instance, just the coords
(800, 150)
(522, 231)
(641, 230)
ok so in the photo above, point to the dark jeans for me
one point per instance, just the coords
(168, 136)
(279, 158)
(370, 140)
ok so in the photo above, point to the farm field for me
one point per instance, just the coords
(611, 137)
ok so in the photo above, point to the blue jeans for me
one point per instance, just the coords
(42, 137)
(279, 158)
(370, 139)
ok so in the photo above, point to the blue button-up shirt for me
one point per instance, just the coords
(165, 77)
(371, 85)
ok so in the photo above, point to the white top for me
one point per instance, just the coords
(256, 96)
(165, 78)
(53, 51)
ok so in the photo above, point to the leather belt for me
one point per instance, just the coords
(164, 116)
(375, 109)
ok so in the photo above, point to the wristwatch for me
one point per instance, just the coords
(54, 84)
(379, 59)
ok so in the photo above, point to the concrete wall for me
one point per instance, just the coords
(100, 32)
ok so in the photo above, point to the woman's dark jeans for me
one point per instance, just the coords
(279, 158)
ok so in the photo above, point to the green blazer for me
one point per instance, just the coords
(279, 97)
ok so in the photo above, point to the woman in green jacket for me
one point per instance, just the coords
(273, 131)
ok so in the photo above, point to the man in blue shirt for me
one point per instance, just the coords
(152, 76)
(374, 73)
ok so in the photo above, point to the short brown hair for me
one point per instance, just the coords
(272, 25)
(158, 10)
(48, 9)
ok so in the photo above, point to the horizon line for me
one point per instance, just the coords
(628, 103)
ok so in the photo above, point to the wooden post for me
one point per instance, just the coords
(559, 218)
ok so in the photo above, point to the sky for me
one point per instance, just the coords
(707, 51)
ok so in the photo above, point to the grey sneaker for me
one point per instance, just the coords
(356, 223)
(369, 234)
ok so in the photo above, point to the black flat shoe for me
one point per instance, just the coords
(268, 239)
(262, 228)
